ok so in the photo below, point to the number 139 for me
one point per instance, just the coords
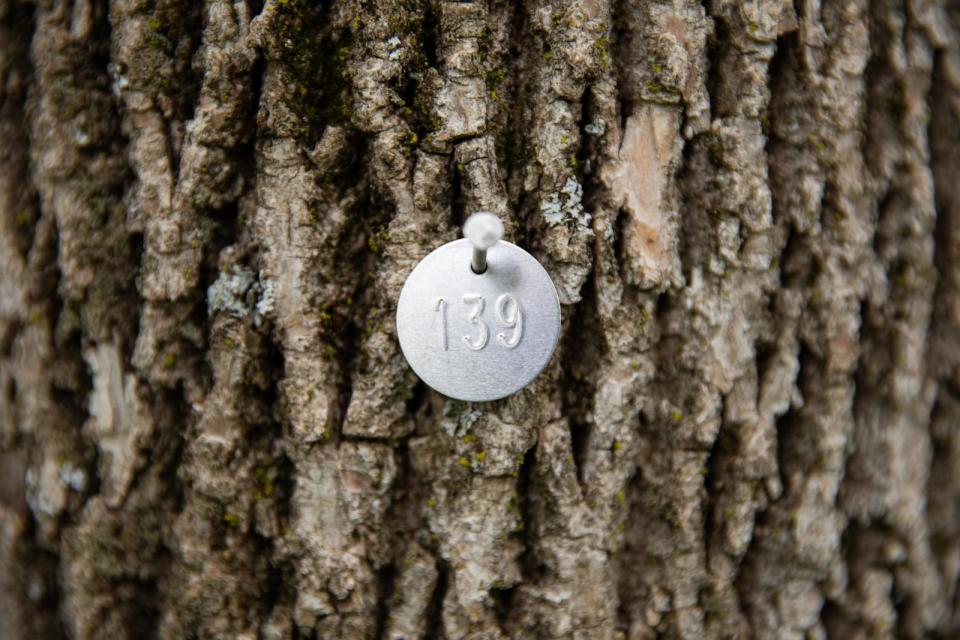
(507, 310)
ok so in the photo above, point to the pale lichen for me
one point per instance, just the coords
(267, 301)
(74, 477)
(230, 291)
(597, 128)
(458, 418)
(570, 209)
(395, 47)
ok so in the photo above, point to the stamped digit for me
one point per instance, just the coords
(441, 309)
(511, 321)
(478, 302)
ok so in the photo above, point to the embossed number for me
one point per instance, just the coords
(478, 302)
(441, 308)
(512, 320)
(509, 314)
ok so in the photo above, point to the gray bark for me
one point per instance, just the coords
(751, 428)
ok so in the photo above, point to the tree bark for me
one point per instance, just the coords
(751, 428)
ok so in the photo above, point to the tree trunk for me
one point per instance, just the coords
(750, 429)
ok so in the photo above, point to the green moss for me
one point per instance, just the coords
(602, 49)
(657, 87)
(712, 602)
(264, 480)
(668, 514)
(817, 143)
(324, 315)
(378, 240)
(314, 68)
(169, 45)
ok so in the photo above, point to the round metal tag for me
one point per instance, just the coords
(478, 337)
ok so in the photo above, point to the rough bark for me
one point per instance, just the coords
(751, 211)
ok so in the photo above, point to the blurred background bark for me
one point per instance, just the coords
(751, 211)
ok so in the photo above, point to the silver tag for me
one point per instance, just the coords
(478, 337)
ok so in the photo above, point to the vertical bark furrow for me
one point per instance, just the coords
(149, 63)
(18, 215)
(733, 230)
(309, 229)
(894, 395)
(31, 417)
(412, 183)
(80, 171)
(222, 536)
(185, 150)
(298, 223)
(575, 507)
(200, 177)
(795, 558)
(943, 487)
(568, 47)
(715, 379)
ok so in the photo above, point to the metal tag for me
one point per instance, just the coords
(478, 337)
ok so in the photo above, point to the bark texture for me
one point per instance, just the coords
(751, 210)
